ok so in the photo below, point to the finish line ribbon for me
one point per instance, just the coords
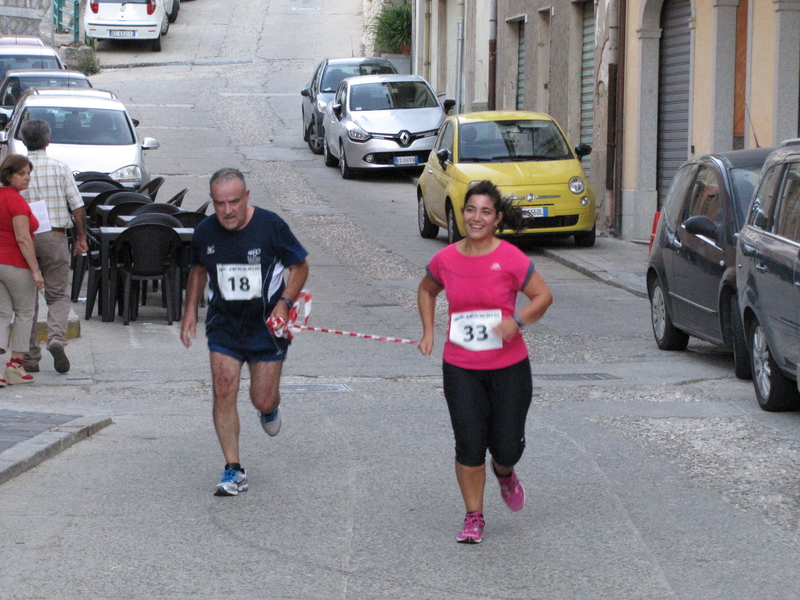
(287, 329)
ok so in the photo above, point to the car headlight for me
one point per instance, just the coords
(577, 186)
(129, 174)
(356, 133)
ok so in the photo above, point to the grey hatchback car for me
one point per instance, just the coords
(768, 277)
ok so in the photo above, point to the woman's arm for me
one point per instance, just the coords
(540, 299)
(22, 231)
(426, 302)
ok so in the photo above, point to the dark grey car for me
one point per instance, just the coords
(327, 77)
(768, 276)
(691, 277)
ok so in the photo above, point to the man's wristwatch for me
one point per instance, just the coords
(289, 303)
(520, 321)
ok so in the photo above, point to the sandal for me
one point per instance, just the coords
(15, 373)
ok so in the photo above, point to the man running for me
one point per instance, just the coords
(242, 252)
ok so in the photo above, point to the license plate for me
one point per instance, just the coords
(121, 33)
(532, 212)
(405, 160)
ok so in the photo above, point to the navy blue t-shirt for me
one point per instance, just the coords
(245, 269)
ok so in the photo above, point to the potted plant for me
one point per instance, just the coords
(392, 28)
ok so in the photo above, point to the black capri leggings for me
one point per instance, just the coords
(488, 410)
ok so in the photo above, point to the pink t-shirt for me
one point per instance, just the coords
(482, 283)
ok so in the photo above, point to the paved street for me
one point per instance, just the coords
(649, 475)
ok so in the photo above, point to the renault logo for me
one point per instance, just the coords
(405, 138)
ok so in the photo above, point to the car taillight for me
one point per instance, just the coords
(151, 7)
(95, 6)
(656, 217)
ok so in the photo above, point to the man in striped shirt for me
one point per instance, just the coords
(52, 181)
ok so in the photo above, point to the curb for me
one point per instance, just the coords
(600, 275)
(30, 453)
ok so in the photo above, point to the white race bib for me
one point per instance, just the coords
(473, 330)
(239, 282)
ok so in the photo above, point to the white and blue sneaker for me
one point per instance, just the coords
(232, 483)
(271, 422)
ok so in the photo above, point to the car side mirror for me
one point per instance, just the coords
(3, 120)
(582, 150)
(306, 92)
(443, 155)
(448, 104)
(702, 225)
(3, 137)
(149, 143)
(337, 109)
(135, 122)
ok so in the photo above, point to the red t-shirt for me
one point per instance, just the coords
(13, 205)
(475, 285)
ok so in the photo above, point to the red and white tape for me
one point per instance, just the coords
(286, 329)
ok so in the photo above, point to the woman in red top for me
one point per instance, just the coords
(20, 277)
(487, 373)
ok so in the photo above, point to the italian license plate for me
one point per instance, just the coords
(532, 212)
(405, 160)
(122, 33)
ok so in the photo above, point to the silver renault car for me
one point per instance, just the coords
(381, 122)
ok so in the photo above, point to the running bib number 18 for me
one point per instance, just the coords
(473, 330)
(239, 282)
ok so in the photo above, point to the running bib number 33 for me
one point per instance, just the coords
(239, 282)
(473, 330)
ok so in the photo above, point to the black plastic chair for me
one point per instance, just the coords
(190, 219)
(151, 188)
(93, 175)
(126, 196)
(98, 185)
(177, 199)
(202, 209)
(144, 252)
(123, 208)
(157, 207)
(160, 218)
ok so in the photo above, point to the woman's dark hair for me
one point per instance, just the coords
(512, 214)
(14, 163)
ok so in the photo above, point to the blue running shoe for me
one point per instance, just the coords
(232, 483)
(271, 422)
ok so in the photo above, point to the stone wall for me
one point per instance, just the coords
(23, 17)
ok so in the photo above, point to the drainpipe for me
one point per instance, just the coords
(426, 43)
(622, 15)
(459, 54)
(492, 52)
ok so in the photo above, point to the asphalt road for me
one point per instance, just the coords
(649, 475)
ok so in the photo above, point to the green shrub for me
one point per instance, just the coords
(392, 28)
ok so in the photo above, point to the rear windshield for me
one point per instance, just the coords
(14, 61)
(392, 94)
(335, 75)
(507, 141)
(84, 126)
(17, 85)
(745, 181)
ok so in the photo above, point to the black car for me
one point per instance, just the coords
(324, 83)
(768, 276)
(691, 278)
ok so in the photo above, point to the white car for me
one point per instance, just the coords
(131, 20)
(90, 130)
(27, 55)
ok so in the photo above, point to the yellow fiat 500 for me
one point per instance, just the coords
(529, 159)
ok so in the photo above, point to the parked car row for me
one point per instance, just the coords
(131, 20)
(725, 265)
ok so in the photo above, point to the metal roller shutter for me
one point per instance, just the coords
(521, 67)
(587, 80)
(673, 92)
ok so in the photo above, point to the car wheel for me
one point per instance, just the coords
(330, 159)
(427, 229)
(741, 354)
(313, 139)
(176, 6)
(453, 235)
(303, 121)
(585, 239)
(347, 172)
(774, 391)
(155, 45)
(668, 337)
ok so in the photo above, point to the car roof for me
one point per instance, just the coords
(783, 153)
(368, 60)
(740, 159)
(20, 40)
(26, 50)
(71, 99)
(501, 115)
(44, 73)
(72, 92)
(364, 79)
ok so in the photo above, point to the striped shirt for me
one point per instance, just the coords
(52, 181)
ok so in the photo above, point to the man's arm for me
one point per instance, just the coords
(198, 277)
(297, 279)
(80, 246)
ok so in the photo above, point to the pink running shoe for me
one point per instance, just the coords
(512, 491)
(472, 532)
